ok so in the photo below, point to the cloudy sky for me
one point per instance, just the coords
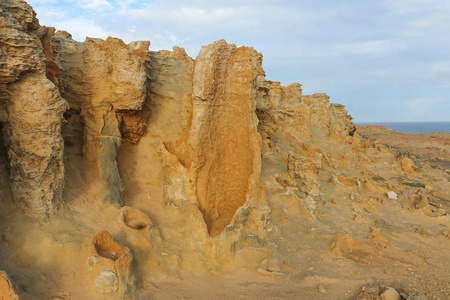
(385, 60)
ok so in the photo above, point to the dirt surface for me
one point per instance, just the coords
(431, 147)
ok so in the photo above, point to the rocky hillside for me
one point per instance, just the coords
(133, 174)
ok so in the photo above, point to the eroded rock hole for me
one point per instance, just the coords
(107, 247)
(4, 166)
(135, 219)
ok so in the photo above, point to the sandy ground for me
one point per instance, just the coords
(432, 147)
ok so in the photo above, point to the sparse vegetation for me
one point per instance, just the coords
(414, 184)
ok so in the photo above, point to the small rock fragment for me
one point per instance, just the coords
(408, 166)
(274, 268)
(392, 195)
(321, 289)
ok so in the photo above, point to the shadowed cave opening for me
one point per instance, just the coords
(5, 188)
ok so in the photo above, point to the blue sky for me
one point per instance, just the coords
(385, 60)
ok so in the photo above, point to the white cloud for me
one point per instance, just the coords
(96, 4)
(422, 106)
(80, 28)
(406, 7)
(385, 49)
(375, 47)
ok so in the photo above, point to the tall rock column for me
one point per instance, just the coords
(106, 84)
(35, 146)
(220, 151)
(227, 146)
(31, 110)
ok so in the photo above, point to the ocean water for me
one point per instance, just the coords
(413, 127)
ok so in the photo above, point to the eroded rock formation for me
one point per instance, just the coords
(106, 85)
(220, 169)
(109, 265)
(220, 149)
(31, 111)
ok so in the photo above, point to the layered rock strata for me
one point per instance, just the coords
(31, 111)
(105, 84)
(220, 169)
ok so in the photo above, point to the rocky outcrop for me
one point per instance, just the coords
(105, 83)
(220, 169)
(31, 110)
(109, 265)
(218, 157)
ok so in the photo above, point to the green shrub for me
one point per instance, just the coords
(414, 184)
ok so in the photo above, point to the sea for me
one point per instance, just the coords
(413, 127)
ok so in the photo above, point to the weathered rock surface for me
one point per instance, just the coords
(31, 110)
(109, 265)
(105, 83)
(6, 288)
(218, 156)
(106, 86)
(221, 171)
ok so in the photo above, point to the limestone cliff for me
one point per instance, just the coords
(219, 153)
(222, 172)
(31, 112)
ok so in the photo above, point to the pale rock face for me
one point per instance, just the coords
(106, 85)
(35, 145)
(235, 171)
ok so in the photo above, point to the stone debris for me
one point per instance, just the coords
(390, 294)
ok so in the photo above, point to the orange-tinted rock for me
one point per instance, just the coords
(109, 265)
(353, 249)
(106, 85)
(221, 144)
(408, 166)
(6, 288)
